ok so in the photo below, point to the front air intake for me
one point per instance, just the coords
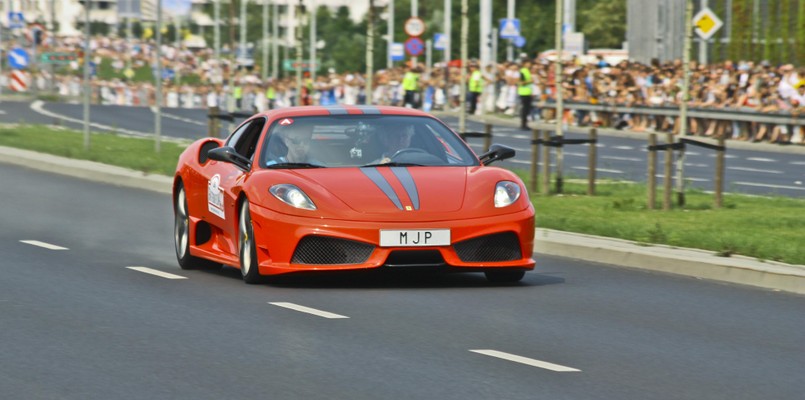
(496, 247)
(325, 250)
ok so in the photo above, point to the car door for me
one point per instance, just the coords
(224, 181)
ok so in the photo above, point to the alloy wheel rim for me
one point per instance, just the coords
(245, 242)
(181, 235)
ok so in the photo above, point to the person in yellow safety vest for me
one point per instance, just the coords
(237, 94)
(524, 90)
(476, 84)
(411, 86)
(271, 95)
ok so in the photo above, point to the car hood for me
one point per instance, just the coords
(393, 189)
(390, 193)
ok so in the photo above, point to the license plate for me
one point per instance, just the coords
(415, 237)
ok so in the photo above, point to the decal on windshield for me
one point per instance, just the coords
(286, 121)
(215, 196)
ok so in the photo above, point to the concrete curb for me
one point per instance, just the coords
(681, 261)
(90, 170)
(690, 262)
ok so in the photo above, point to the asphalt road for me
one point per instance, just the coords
(78, 324)
(761, 169)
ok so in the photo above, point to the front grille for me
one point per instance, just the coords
(496, 247)
(415, 258)
(330, 250)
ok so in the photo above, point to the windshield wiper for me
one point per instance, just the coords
(294, 165)
(392, 164)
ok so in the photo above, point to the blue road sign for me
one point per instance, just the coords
(15, 20)
(414, 46)
(509, 28)
(168, 73)
(18, 58)
(93, 68)
(439, 41)
(519, 41)
(397, 52)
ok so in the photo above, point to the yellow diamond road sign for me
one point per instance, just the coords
(706, 23)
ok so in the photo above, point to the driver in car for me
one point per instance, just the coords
(396, 139)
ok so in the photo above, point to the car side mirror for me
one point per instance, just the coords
(496, 152)
(229, 155)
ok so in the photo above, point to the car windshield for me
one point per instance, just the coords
(363, 141)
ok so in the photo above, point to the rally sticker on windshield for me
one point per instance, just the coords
(215, 196)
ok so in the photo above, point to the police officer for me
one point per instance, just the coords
(476, 84)
(524, 90)
(411, 86)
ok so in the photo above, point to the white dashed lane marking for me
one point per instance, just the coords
(761, 159)
(155, 272)
(308, 310)
(43, 245)
(525, 360)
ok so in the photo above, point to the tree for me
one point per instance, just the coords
(604, 23)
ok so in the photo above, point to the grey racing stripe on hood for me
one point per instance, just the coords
(408, 183)
(380, 181)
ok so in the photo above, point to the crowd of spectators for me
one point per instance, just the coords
(739, 86)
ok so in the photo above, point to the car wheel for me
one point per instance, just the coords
(247, 250)
(181, 235)
(504, 276)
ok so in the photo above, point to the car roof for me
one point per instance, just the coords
(341, 110)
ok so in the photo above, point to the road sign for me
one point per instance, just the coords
(18, 81)
(440, 41)
(57, 58)
(414, 26)
(290, 65)
(18, 58)
(15, 20)
(519, 42)
(414, 46)
(706, 23)
(397, 52)
(509, 28)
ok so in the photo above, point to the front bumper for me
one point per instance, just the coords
(278, 235)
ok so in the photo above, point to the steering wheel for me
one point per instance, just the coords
(408, 150)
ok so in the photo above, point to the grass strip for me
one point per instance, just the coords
(767, 228)
(129, 152)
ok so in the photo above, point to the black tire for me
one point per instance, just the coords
(181, 235)
(247, 251)
(504, 276)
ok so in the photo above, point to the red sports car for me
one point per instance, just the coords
(349, 188)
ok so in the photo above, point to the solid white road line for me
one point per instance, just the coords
(43, 244)
(769, 186)
(296, 307)
(768, 171)
(611, 171)
(156, 272)
(527, 361)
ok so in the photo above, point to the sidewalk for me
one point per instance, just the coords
(689, 262)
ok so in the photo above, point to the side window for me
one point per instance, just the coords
(235, 137)
(247, 142)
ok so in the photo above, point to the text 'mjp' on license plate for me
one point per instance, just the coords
(415, 237)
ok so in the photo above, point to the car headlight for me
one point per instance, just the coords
(293, 196)
(506, 193)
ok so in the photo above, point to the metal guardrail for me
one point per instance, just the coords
(777, 118)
